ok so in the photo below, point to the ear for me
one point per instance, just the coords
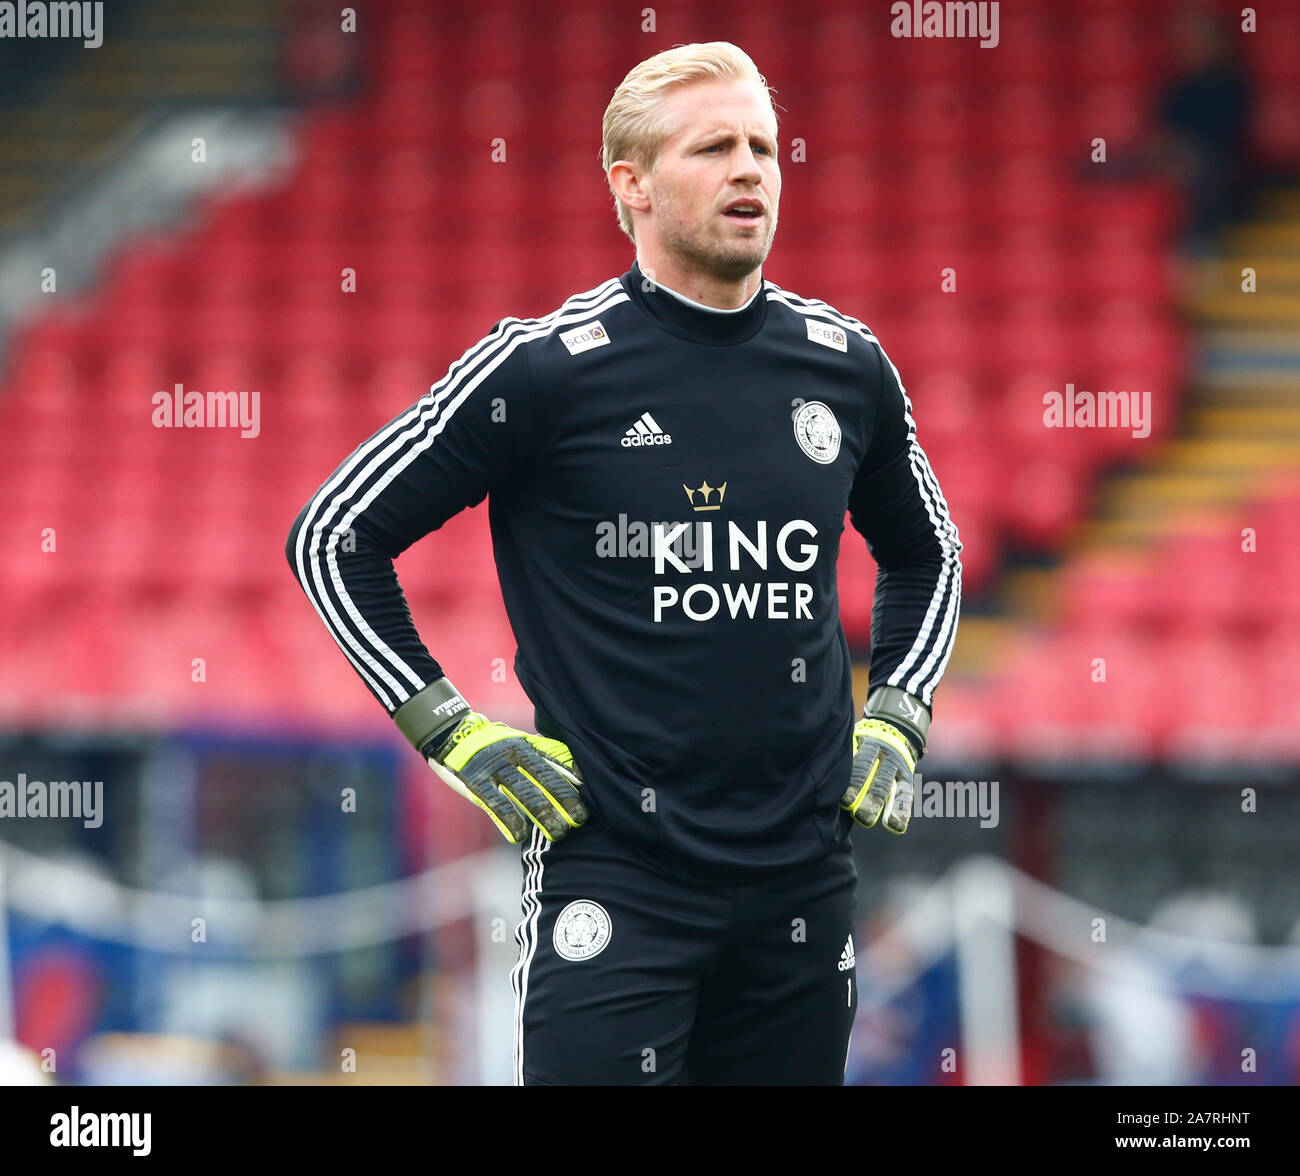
(625, 180)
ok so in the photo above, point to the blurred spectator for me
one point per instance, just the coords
(317, 63)
(1204, 113)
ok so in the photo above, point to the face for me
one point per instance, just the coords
(722, 149)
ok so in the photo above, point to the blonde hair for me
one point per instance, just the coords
(634, 126)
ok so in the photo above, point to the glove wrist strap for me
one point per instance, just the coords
(428, 717)
(886, 732)
(904, 711)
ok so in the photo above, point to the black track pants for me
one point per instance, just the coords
(628, 975)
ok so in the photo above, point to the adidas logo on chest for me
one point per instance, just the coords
(646, 431)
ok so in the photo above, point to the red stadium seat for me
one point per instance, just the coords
(917, 156)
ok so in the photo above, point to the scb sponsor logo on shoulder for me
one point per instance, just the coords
(584, 338)
(827, 335)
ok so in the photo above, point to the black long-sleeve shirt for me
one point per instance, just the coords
(667, 487)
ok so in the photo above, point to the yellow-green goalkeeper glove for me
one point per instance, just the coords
(511, 775)
(885, 758)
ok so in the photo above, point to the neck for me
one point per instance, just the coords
(687, 318)
(698, 286)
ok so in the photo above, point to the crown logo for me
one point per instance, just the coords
(705, 490)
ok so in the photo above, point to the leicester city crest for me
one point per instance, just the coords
(818, 432)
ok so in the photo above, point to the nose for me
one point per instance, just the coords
(746, 165)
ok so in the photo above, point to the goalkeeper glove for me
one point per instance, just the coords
(513, 776)
(887, 743)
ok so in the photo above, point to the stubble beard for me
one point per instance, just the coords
(726, 261)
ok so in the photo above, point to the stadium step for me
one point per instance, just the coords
(1223, 421)
(1244, 426)
(160, 55)
(1264, 239)
(1239, 442)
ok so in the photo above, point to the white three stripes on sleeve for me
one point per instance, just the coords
(933, 645)
(356, 484)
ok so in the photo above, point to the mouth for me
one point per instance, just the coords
(744, 211)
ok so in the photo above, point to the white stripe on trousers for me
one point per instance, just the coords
(526, 935)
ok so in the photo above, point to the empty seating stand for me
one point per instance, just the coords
(921, 158)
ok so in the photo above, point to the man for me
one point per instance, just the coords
(668, 459)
